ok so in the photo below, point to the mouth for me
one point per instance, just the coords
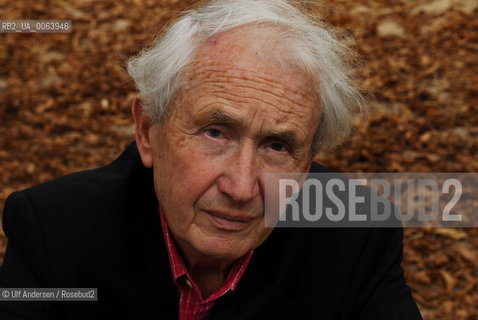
(229, 222)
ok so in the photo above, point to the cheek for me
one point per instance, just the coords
(183, 172)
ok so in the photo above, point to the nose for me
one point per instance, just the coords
(240, 180)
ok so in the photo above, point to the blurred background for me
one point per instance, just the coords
(65, 106)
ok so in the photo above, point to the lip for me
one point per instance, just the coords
(229, 221)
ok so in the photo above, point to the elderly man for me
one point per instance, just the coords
(174, 228)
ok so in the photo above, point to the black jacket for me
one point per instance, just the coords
(101, 229)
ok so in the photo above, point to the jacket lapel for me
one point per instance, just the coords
(154, 295)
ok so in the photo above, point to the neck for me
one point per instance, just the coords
(208, 280)
(208, 273)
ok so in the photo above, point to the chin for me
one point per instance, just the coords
(222, 250)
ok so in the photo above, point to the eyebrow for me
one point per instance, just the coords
(219, 116)
(287, 137)
(223, 117)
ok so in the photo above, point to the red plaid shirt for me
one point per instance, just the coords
(192, 306)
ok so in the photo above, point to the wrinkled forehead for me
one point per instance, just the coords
(253, 49)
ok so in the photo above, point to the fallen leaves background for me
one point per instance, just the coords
(65, 100)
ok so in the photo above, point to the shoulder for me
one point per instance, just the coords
(81, 216)
(74, 187)
(83, 198)
(83, 193)
(347, 245)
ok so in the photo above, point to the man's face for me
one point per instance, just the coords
(238, 117)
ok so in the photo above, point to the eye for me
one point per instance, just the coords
(214, 133)
(278, 146)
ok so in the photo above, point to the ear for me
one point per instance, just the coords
(142, 133)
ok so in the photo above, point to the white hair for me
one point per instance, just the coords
(314, 47)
